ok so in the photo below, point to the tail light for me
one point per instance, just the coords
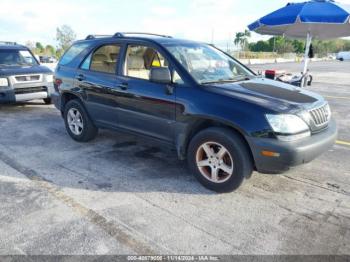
(57, 82)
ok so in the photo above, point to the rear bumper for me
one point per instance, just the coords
(291, 153)
(56, 99)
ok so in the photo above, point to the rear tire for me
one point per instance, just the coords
(219, 159)
(78, 123)
(47, 101)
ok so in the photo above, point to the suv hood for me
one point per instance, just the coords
(22, 70)
(273, 95)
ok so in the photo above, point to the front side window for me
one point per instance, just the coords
(140, 60)
(207, 64)
(13, 57)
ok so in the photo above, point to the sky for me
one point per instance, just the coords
(202, 20)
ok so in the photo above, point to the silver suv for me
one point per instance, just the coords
(22, 78)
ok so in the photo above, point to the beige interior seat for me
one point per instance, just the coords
(98, 63)
(136, 67)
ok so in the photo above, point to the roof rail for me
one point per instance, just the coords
(7, 43)
(96, 36)
(122, 34)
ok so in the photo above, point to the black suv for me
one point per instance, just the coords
(22, 78)
(216, 112)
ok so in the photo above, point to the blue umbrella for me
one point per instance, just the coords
(322, 19)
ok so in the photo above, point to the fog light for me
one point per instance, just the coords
(270, 153)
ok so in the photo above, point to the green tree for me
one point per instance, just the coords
(39, 48)
(65, 36)
(260, 46)
(50, 50)
(59, 53)
(346, 46)
(299, 46)
(241, 39)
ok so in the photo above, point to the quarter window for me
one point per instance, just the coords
(72, 53)
(104, 59)
(140, 60)
(86, 63)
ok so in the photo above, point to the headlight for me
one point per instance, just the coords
(4, 82)
(49, 78)
(288, 127)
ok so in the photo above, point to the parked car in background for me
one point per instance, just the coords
(342, 56)
(225, 120)
(22, 78)
(47, 59)
(52, 59)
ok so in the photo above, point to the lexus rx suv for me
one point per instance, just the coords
(218, 114)
(22, 78)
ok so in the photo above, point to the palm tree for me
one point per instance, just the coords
(242, 39)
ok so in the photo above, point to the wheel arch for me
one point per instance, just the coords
(66, 97)
(185, 136)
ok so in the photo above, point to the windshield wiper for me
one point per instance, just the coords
(230, 80)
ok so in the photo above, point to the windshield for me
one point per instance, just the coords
(13, 57)
(206, 64)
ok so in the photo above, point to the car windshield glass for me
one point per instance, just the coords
(16, 57)
(207, 65)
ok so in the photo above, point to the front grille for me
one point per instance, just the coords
(27, 78)
(29, 90)
(321, 115)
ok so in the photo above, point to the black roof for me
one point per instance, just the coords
(11, 46)
(161, 39)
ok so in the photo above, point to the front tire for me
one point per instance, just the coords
(219, 159)
(78, 123)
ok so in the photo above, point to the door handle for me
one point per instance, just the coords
(169, 89)
(80, 77)
(123, 86)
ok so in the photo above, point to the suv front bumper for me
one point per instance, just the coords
(11, 95)
(291, 153)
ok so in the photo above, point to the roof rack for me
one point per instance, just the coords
(7, 43)
(122, 34)
(96, 36)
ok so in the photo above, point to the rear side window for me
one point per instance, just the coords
(104, 59)
(72, 53)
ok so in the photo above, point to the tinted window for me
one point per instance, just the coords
(86, 64)
(140, 60)
(104, 59)
(13, 57)
(72, 53)
(207, 64)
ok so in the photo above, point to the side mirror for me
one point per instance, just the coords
(160, 75)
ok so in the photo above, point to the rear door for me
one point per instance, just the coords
(97, 80)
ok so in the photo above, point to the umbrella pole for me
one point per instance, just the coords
(306, 57)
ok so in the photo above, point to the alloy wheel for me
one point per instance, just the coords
(75, 121)
(214, 162)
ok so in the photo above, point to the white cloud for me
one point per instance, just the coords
(201, 20)
(37, 20)
(163, 11)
